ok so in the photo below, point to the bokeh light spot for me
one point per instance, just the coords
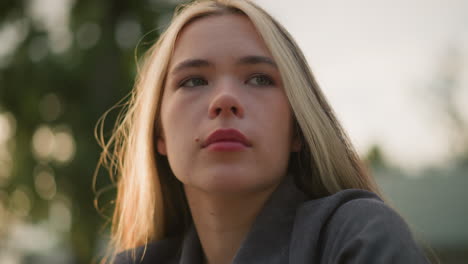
(50, 107)
(127, 33)
(43, 142)
(38, 49)
(88, 35)
(7, 126)
(60, 216)
(7, 131)
(64, 148)
(20, 202)
(44, 182)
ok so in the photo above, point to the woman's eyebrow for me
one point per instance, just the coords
(200, 63)
(191, 63)
(254, 59)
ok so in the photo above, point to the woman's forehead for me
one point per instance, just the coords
(219, 36)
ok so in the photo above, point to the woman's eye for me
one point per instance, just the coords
(260, 80)
(192, 82)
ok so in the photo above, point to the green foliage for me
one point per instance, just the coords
(65, 85)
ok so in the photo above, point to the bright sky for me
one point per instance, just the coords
(374, 60)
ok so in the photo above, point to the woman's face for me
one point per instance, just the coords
(226, 120)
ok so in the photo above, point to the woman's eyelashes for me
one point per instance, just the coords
(193, 81)
(260, 80)
(255, 80)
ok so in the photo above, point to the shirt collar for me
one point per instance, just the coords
(269, 236)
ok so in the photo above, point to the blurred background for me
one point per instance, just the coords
(396, 73)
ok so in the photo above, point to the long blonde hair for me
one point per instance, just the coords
(150, 203)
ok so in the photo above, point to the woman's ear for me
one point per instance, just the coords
(296, 144)
(161, 145)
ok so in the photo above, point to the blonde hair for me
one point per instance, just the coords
(150, 203)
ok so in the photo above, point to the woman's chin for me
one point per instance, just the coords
(229, 183)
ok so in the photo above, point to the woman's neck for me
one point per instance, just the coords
(223, 221)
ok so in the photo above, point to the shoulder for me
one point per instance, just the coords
(356, 226)
(359, 208)
(340, 206)
(342, 197)
(368, 218)
(163, 251)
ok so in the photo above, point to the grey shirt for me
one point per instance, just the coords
(351, 226)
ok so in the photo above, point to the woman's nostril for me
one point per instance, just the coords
(225, 105)
(233, 109)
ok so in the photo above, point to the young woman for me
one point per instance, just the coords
(228, 152)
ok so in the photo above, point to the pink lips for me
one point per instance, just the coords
(226, 140)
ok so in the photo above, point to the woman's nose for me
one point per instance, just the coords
(225, 104)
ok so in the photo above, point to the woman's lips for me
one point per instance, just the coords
(226, 140)
(226, 146)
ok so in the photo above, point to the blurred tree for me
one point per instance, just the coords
(379, 164)
(375, 157)
(62, 65)
(446, 94)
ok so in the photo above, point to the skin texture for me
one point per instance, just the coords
(225, 189)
